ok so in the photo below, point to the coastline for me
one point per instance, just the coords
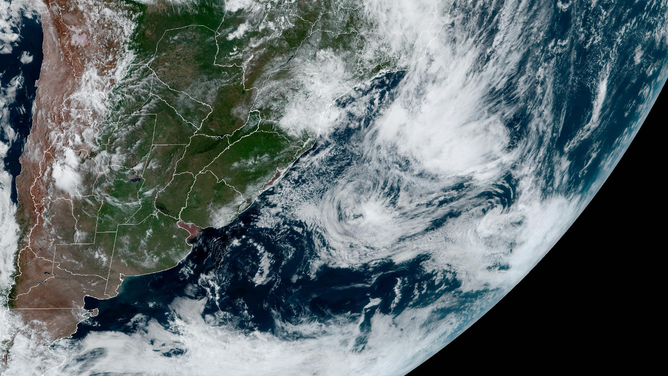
(55, 297)
(20, 63)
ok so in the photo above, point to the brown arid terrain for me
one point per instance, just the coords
(150, 126)
(90, 214)
(81, 53)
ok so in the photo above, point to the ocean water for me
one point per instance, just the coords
(316, 259)
(607, 83)
(19, 72)
(20, 61)
(263, 277)
(362, 259)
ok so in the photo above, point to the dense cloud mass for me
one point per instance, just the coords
(19, 68)
(432, 189)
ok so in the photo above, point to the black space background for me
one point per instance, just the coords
(595, 302)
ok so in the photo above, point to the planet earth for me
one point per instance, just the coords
(296, 187)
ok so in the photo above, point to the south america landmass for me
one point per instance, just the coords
(153, 121)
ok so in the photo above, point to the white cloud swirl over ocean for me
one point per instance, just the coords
(441, 130)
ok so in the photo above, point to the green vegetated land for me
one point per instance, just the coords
(190, 136)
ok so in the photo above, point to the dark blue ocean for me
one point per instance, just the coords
(343, 291)
(20, 110)
(230, 256)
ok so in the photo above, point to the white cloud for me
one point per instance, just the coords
(317, 84)
(26, 58)
(327, 349)
(440, 132)
(7, 98)
(9, 229)
(65, 172)
(239, 32)
(11, 17)
(235, 5)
